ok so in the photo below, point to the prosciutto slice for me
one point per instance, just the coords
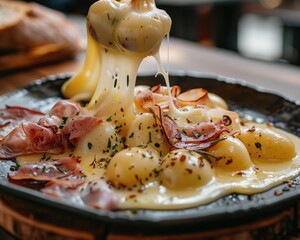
(64, 179)
(93, 193)
(52, 133)
(195, 137)
(67, 108)
(30, 138)
(158, 95)
(65, 171)
(13, 116)
(148, 99)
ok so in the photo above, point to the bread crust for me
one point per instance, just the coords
(15, 10)
(36, 26)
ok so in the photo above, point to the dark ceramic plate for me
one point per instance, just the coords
(250, 102)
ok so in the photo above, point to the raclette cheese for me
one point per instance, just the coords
(158, 148)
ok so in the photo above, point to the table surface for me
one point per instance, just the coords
(279, 78)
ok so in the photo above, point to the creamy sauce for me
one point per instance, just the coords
(261, 175)
(130, 151)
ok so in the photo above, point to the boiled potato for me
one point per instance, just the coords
(267, 144)
(230, 155)
(182, 169)
(189, 114)
(101, 141)
(217, 101)
(133, 167)
(145, 130)
(232, 118)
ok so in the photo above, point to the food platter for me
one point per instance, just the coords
(24, 209)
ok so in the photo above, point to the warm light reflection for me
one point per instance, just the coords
(271, 3)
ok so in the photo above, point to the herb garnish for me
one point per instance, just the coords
(90, 145)
(63, 122)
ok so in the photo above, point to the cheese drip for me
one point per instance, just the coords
(120, 35)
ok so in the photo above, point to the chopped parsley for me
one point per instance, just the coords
(63, 122)
(90, 145)
(108, 120)
(156, 172)
(109, 143)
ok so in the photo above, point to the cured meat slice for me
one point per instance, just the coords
(93, 193)
(195, 137)
(64, 179)
(13, 116)
(52, 134)
(65, 172)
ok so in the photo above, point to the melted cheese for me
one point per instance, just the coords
(130, 150)
(173, 184)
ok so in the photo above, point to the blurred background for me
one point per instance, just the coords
(267, 30)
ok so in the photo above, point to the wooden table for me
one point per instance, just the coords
(185, 56)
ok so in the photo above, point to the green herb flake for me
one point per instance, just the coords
(109, 143)
(90, 145)
(156, 172)
(15, 167)
(63, 122)
(285, 189)
(150, 138)
(196, 134)
(109, 119)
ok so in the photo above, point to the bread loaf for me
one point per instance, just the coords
(31, 34)
(25, 26)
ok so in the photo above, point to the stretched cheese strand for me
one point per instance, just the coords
(120, 35)
(82, 86)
